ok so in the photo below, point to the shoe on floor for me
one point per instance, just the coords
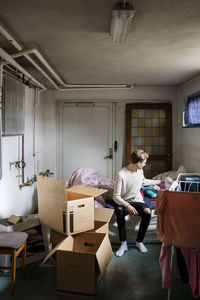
(141, 247)
(123, 248)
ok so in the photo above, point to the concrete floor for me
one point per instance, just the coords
(133, 276)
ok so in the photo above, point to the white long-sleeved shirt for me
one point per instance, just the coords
(128, 185)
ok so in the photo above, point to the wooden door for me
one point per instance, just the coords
(149, 127)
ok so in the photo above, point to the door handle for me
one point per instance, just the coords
(110, 156)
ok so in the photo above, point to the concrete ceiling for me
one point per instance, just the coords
(162, 48)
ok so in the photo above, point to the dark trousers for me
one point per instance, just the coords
(182, 267)
(121, 212)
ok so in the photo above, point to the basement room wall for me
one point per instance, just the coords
(188, 139)
(13, 200)
(141, 94)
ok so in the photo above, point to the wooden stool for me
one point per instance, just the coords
(12, 243)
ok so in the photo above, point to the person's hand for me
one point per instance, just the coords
(131, 210)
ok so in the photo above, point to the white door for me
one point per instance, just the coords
(84, 138)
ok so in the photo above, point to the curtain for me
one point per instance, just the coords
(192, 112)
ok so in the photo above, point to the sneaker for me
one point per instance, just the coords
(141, 247)
(123, 248)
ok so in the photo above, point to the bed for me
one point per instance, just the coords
(91, 177)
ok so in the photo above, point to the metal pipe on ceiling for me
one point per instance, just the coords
(65, 86)
(93, 88)
(26, 53)
(9, 38)
(37, 67)
(112, 86)
(9, 60)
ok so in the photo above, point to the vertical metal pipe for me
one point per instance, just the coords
(1, 76)
(22, 158)
(23, 165)
(34, 118)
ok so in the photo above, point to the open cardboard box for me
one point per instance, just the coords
(102, 218)
(81, 261)
(68, 211)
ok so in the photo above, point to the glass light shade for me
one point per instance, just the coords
(120, 24)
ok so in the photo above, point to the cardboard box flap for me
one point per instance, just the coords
(51, 188)
(103, 214)
(87, 190)
(104, 254)
(68, 241)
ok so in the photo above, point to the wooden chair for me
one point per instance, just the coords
(12, 243)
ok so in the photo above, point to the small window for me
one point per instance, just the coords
(191, 115)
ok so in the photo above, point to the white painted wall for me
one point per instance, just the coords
(12, 199)
(121, 97)
(188, 139)
(24, 201)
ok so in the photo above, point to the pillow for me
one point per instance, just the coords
(161, 176)
(172, 174)
(181, 169)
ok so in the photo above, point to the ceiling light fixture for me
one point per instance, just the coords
(122, 16)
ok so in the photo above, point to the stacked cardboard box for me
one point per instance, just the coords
(102, 218)
(80, 232)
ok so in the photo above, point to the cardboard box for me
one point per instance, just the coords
(102, 218)
(68, 211)
(81, 261)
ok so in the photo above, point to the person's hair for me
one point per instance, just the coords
(139, 156)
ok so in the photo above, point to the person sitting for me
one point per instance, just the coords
(128, 199)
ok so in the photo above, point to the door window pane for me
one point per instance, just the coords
(150, 129)
(147, 125)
